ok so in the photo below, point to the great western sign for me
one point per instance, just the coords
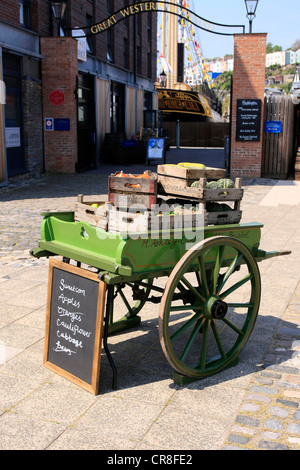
(143, 7)
(122, 14)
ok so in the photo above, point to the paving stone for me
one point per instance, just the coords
(293, 428)
(278, 411)
(269, 435)
(243, 430)
(238, 439)
(284, 369)
(267, 390)
(269, 373)
(273, 424)
(297, 415)
(269, 445)
(258, 397)
(294, 441)
(264, 381)
(247, 420)
(250, 407)
(292, 404)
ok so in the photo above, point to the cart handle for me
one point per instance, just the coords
(261, 255)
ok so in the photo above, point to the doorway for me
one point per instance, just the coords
(117, 108)
(86, 124)
(13, 115)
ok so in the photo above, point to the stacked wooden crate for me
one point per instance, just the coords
(131, 190)
(95, 212)
(175, 181)
(132, 206)
(137, 205)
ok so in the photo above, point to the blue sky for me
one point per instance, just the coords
(280, 20)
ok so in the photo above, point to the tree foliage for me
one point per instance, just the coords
(271, 48)
(296, 45)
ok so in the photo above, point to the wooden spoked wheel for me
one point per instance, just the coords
(209, 307)
(126, 294)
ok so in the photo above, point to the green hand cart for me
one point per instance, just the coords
(208, 304)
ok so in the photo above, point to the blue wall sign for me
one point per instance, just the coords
(48, 124)
(273, 126)
(61, 124)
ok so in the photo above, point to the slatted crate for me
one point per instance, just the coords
(179, 187)
(123, 192)
(175, 177)
(143, 223)
(96, 216)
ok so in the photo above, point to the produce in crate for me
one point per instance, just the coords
(221, 183)
(217, 207)
(212, 185)
(199, 166)
(225, 183)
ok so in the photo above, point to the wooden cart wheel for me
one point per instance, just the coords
(219, 284)
(126, 292)
(131, 295)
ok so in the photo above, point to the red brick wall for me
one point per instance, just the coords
(59, 71)
(9, 11)
(248, 83)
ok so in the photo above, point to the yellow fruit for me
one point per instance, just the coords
(94, 205)
(199, 166)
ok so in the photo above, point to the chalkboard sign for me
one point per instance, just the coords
(75, 312)
(248, 119)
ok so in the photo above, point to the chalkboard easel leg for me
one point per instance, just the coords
(109, 307)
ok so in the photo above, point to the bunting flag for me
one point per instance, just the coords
(165, 64)
(194, 58)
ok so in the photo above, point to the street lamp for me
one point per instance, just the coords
(58, 10)
(251, 6)
(163, 79)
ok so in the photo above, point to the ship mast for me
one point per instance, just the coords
(172, 44)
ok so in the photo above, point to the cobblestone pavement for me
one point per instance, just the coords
(254, 406)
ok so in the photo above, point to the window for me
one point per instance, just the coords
(139, 59)
(89, 41)
(126, 22)
(125, 53)
(149, 65)
(138, 20)
(149, 27)
(24, 9)
(109, 46)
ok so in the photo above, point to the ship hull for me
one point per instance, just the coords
(183, 105)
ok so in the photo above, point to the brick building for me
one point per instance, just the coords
(63, 91)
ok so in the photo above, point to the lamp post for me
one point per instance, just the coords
(58, 10)
(251, 6)
(163, 79)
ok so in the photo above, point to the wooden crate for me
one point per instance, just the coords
(204, 195)
(127, 191)
(96, 216)
(183, 177)
(122, 221)
(223, 217)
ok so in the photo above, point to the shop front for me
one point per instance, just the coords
(13, 111)
(21, 144)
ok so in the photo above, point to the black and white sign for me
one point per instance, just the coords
(248, 119)
(74, 324)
